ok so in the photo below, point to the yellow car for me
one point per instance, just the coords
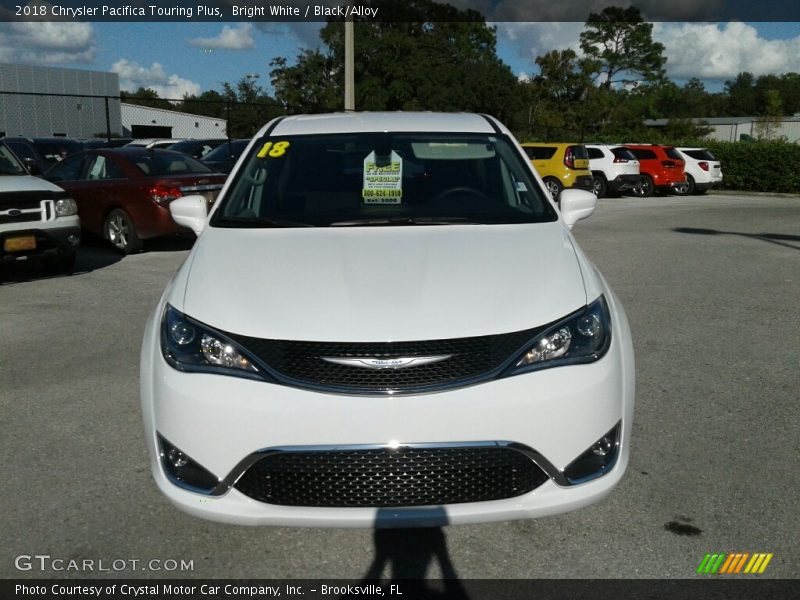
(561, 165)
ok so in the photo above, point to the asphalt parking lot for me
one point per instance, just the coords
(711, 286)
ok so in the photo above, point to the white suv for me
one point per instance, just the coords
(703, 171)
(37, 219)
(615, 169)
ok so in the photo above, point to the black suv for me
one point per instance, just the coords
(41, 153)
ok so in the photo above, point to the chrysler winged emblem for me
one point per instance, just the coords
(366, 362)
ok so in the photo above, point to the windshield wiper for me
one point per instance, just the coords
(257, 222)
(405, 221)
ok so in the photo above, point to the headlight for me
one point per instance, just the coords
(582, 337)
(189, 345)
(66, 207)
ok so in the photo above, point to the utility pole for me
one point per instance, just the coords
(349, 78)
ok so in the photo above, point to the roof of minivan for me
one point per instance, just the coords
(359, 122)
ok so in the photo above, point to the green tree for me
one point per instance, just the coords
(622, 45)
(769, 123)
(561, 100)
(424, 56)
(210, 104)
(146, 97)
(248, 107)
(311, 86)
(742, 97)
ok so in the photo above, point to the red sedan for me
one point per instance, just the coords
(123, 194)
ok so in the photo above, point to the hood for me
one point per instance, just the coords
(26, 183)
(383, 283)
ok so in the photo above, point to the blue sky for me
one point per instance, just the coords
(175, 58)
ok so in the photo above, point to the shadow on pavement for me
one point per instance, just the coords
(90, 258)
(404, 557)
(773, 238)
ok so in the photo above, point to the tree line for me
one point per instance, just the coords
(436, 57)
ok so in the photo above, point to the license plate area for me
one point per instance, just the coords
(20, 244)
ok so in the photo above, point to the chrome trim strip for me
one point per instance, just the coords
(371, 362)
(228, 482)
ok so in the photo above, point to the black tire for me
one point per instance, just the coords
(646, 188)
(553, 186)
(62, 264)
(120, 231)
(686, 189)
(600, 188)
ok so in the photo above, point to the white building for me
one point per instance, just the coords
(732, 129)
(50, 101)
(146, 122)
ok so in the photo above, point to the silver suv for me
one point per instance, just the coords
(615, 169)
(37, 219)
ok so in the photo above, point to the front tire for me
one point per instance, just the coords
(120, 231)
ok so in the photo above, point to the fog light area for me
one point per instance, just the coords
(183, 471)
(598, 460)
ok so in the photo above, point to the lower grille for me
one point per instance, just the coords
(383, 477)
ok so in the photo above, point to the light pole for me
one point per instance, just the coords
(349, 78)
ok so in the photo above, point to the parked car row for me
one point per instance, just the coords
(613, 169)
(121, 194)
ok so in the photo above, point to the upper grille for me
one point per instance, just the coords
(381, 477)
(28, 217)
(473, 357)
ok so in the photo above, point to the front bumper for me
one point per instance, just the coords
(220, 421)
(50, 241)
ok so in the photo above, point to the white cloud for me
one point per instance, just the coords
(230, 38)
(708, 51)
(535, 39)
(51, 43)
(721, 51)
(132, 75)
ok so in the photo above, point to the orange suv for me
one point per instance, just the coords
(661, 168)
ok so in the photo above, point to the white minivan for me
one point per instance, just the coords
(386, 322)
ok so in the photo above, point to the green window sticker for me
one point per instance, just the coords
(383, 179)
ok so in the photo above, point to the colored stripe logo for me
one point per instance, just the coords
(734, 563)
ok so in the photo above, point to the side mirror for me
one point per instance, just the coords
(190, 211)
(576, 205)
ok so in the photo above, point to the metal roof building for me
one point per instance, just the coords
(731, 129)
(40, 112)
(49, 101)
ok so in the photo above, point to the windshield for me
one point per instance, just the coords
(168, 163)
(9, 165)
(382, 179)
(225, 150)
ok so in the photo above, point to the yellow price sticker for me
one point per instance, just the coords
(273, 150)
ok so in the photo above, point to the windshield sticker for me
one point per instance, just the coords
(521, 187)
(273, 150)
(383, 179)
